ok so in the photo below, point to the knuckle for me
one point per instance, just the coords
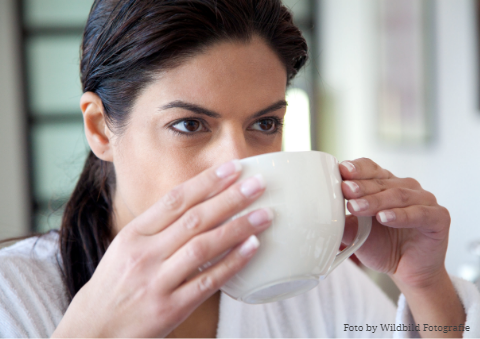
(174, 198)
(207, 283)
(406, 217)
(191, 219)
(219, 233)
(135, 261)
(381, 183)
(197, 251)
(369, 162)
(359, 163)
(403, 195)
(424, 215)
(411, 182)
(127, 235)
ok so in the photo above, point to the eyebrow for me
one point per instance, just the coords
(201, 110)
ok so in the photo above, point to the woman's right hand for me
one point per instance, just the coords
(143, 286)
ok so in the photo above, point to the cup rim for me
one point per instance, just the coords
(289, 152)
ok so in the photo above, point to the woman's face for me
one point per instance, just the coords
(219, 105)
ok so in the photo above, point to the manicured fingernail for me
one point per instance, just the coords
(252, 185)
(229, 168)
(260, 217)
(350, 167)
(387, 216)
(359, 204)
(353, 186)
(249, 246)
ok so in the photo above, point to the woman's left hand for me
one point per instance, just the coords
(409, 233)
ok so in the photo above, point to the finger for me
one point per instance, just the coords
(209, 214)
(350, 230)
(392, 198)
(209, 245)
(201, 287)
(363, 169)
(186, 195)
(425, 218)
(358, 188)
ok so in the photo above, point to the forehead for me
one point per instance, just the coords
(228, 76)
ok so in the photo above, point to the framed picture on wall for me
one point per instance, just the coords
(405, 71)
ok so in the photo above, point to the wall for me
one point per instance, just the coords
(13, 177)
(448, 166)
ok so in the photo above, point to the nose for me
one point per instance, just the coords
(232, 145)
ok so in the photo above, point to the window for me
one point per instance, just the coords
(51, 36)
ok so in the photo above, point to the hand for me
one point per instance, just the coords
(147, 282)
(410, 230)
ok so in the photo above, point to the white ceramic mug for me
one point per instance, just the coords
(301, 246)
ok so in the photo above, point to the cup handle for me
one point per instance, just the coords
(364, 227)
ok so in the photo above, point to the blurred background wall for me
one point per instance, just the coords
(14, 200)
(446, 162)
(391, 80)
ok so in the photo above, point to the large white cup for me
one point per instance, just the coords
(301, 246)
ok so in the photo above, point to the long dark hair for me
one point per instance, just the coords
(125, 43)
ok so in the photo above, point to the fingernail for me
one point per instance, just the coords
(229, 168)
(249, 246)
(387, 216)
(353, 186)
(350, 167)
(260, 217)
(359, 204)
(252, 185)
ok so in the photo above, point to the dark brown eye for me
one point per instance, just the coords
(265, 125)
(191, 125)
(188, 126)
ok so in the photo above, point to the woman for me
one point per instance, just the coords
(174, 93)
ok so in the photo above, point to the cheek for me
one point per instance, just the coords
(146, 170)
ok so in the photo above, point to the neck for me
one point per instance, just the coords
(202, 322)
(122, 215)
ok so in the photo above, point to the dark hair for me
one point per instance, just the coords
(125, 43)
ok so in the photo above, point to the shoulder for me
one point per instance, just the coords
(32, 294)
(38, 247)
(31, 260)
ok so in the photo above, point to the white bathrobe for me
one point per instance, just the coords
(347, 303)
